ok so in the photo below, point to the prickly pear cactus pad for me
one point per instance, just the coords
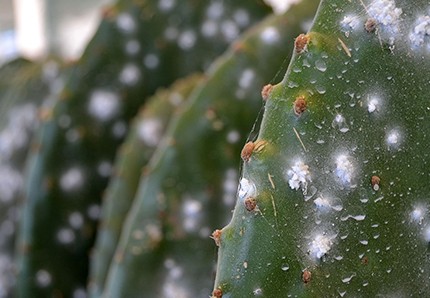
(188, 187)
(139, 46)
(333, 199)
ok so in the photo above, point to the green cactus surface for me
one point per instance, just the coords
(189, 185)
(144, 136)
(333, 199)
(24, 87)
(138, 47)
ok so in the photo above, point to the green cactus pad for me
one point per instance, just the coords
(189, 185)
(139, 46)
(24, 86)
(340, 186)
(147, 129)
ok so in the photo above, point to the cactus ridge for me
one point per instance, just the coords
(167, 223)
(138, 47)
(144, 136)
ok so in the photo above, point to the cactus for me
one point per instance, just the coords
(139, 47)
(24, 87)
(188, 186)
(144, 136)
(333, 199)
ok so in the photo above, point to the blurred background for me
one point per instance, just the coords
(37, 27)
(34, 28)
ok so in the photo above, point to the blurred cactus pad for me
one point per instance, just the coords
(119, 167)
(333, 198)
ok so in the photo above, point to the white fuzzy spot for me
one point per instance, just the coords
(233, 137)
(241, 17)
(209, 28)
(166, 5)
(187, 39)
(43, 278)
(373, 104)
(393, 138)
(79, 293)
(281, 6)
(132, 47)
(387, 15)
(76, 220)
(299, 176)
(66, 236)
(7, 275)
(149, 131)
(130, 75)
(72, 179)
(191, 211)
(126, 23)
(246, 189)
(103, 104)
(418, 213)
(104, 168)
(22, 121)
(172, 286)
(247, 78)
(320, 246)
(229, 30)
(94, 212)
(426, 234)
(344, 169)
(215, 10)
(258, 292)
(229, 186)
(119, 129)
(350, 22)
(421, 32)
(151, 61)
(11, 181)
(270, 35)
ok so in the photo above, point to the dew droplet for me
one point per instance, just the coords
(321, 65)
